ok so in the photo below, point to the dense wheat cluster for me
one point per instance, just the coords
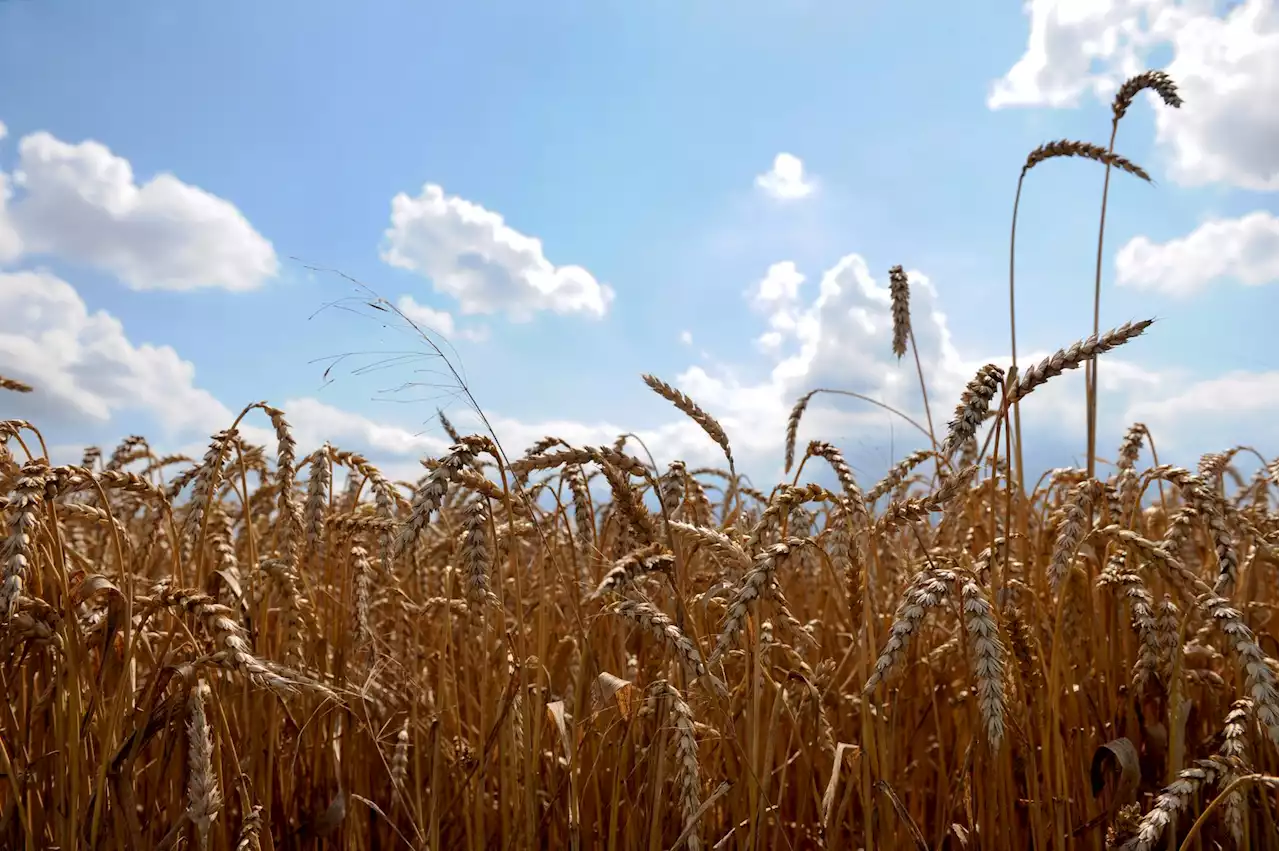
(279, 647)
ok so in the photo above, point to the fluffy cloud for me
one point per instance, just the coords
(1218, 410)
(425, 317)
(786, 180)
(470, 253)
(86, 369)
(1226, 67)
(1243, 249)
(10, 242)
(314, 422)
(439, 321)
(841, 338)
(83, 365)
(81, 202)
(780, 284)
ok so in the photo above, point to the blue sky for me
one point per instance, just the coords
(584, 190)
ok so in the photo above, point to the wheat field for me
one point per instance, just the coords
(572, 647)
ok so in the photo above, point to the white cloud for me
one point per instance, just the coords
(786, 180)
(4, 131)
(1244, 249)
(1235, 392)
(781, 284)
(1219, 409)
(1228, 71)
(81, 202)
(314, 422)
(84, 367)
(439, 321)
(686, 337)
(842, 338)
(1068, 42)
(425, 317)
(471, 254)
(770, 341)
(1226, 67)
(10, 241)
(86, 370)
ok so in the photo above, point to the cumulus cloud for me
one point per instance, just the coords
(10, 242)
(425, 317)
(439, 321)
(780, 284)
(786, 181)
(1217, 409)
(85, 368)
(841, 337)
(1244, 249)
(472, 254)
(81, 202)
(686, 337)
(1227, 67)
(315, 422)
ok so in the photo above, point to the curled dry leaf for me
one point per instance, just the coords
(555, 711)
(1115, 774)
(608, 688)
(833, 782)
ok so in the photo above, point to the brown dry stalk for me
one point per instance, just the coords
(844, 474)
(400, 760)
(691, 409)
(250, 830)
(897, 474)
(661, 627)
(778, 507)
(1158, 81)
(793, 427)
(1076, 521)
(1127, 457)
(1233, 749)
(431, 495)
(475, 555)
(672, 488)
(916, 508)
(600, 455)
(229, 637)
(23, 510)
(758, 583)
(1076, 354)
(647, 559)
(972, 409)
(988, 656)
(628, 505)
(1173, 799)
(900, 296)
(14, 385)
(448, 427)
(685, 744)
(1068, 148)
(719, 545)
(362, 581)
(203, 797)
(928, 590)
(1211, 508)
(318, 485)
